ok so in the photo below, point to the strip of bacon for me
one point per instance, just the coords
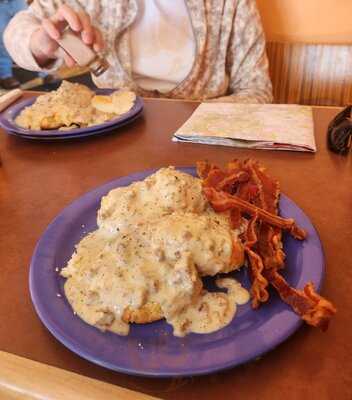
(259, 286)
(237, 257)
(236, 218)
(203, 169)
(229, 181)
(258, 290)
(214, 177)
(250, 237)
(260, 200)
(222, 201)
(269, 247)
(247, 191)
(311, 307)
(245, 187)
(269, 187)
(233, 165)
(269, 238)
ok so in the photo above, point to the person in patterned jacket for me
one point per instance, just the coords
(184, 49)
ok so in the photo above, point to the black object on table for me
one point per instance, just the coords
(340, 132)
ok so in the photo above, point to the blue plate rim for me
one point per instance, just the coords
(7, 119)
(82, 135)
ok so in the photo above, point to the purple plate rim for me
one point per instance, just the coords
(81, 135)
(293, 321)
(8, 115)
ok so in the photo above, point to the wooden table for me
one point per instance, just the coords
(38, 179)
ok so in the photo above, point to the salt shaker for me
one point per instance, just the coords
(82, 53)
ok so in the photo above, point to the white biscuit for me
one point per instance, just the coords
(118, 102)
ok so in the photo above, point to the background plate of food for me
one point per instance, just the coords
(160, 348)
(72, 111)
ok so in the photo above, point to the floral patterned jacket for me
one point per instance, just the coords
(230, 47)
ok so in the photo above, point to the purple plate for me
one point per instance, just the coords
(151, 349)
(7, 122)
(83, 134)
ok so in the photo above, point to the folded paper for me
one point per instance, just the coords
(257, 126)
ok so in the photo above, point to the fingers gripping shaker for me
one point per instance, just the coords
(84, 56)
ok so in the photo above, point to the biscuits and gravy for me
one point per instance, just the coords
(155, 240)
(74, 105)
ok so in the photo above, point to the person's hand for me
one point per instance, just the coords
(43, 42)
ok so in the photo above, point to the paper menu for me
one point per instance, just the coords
(258, 126)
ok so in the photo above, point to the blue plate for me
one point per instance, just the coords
(7, 122)
(151, 349)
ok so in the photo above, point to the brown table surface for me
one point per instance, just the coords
(37, 180)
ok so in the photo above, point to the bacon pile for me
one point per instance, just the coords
(251, 197)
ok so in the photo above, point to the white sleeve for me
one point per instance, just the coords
(18, 33)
